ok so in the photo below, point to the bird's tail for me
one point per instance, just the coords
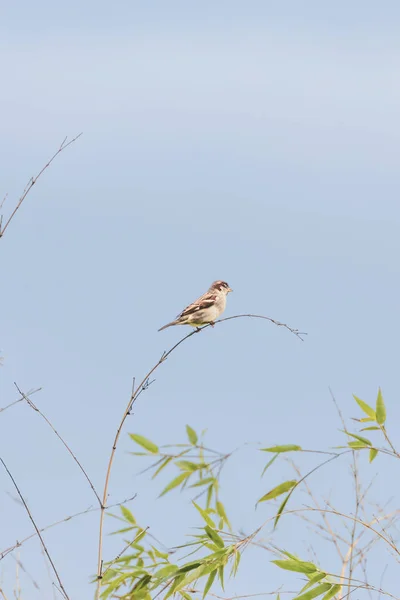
(169, 325)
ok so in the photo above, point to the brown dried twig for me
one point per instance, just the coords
(36, 528)
(32, 182)
(133, 397)
(7, 551)
(35, 408)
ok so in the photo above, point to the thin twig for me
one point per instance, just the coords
(133, 397)
(19, 399)
(123, 551)
(7, 551)
(296, 332)
(36, 528)
(33, 180)
(32, 405)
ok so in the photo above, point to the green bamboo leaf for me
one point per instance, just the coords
(190, 566)
(144, 442)
(373, 428)
(281, 508)
(278, 490)
(191, 576)
(177, 580)
(128, 515)
(192, 435)
(357, 445)
(296, 565)
(175, 482)
(365, 407)
(209, 583)
(380, 409)
(335, 589)
(209, 495)
(313, 580)
(373, 453)
(236, 562)
(204, 481)
(282, 448)
(221, 511)
(205, 515)
(139, 537)
(163, 464)
(213, 535)
(365, 441)
(269, 463)
(317, 591)
(185, 595)
(187, 465)
(221, 576)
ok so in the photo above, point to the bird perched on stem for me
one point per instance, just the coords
(205, 309)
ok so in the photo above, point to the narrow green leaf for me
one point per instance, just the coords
(204, 481)
(380, 409)
(269, 463)
(335, 589)
(163, 464)
(360, 438)
(296, 565)
(213, 535)
(221, 511)
(187, 465)
(209, 583)
(221, 576)
(175, 482)
(364, 440)
(365, 407)
(128, 515)
(236, 562)
(283, 448)
(278, 490)
(177, 580)
(313, 581)
(365, 420)
(144, 442)
(317, 591)
(139, 537)
(189, 567)
(372, 428)
(372, 454)
(357, 445)
(185, 595)
(209, 495)
(192, 435)
(281, 508)
(205, 516)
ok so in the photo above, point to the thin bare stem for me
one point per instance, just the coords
(134, 395)
(35, 408)
(19, 400)
(7, 551)
(33, 180)
(296, 332)
(124, 549)
(36, 528)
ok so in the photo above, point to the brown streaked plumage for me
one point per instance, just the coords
(205, 309)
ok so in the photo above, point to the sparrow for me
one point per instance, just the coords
(205, 309)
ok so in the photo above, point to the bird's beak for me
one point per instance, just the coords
(230, 290)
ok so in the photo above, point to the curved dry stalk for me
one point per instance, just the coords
(36, 528)
(7, 551)
(134, 395)
(35, 408)
(32, 182)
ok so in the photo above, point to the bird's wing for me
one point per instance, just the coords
(205, 301)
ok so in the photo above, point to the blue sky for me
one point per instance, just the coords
(253, 142)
